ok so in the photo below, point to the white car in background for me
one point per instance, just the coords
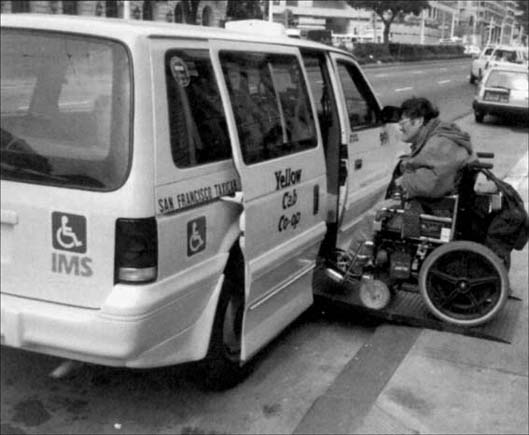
(473, 50)
(506, 56)
(503, 92)
(478, 64)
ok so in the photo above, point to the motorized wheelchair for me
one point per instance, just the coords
(435, 250)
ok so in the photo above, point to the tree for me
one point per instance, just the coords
(244, 10)
(388, 10)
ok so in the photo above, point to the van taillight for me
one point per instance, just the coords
(136, 259)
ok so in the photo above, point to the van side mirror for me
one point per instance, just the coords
(390, 114)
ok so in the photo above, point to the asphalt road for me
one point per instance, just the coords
(444, 83)
(289, 375)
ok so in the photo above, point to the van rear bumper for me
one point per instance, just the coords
(93, 336)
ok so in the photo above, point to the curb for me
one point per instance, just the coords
(343, 407)
(518, 173)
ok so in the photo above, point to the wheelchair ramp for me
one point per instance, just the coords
(407, 308)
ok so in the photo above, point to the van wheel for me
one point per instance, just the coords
(479, 116)
(472, 79)
(222, 367)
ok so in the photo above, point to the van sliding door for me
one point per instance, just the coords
(279, 157)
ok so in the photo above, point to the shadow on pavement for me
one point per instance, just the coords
(515, 124)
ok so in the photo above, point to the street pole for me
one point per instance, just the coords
(452, 30)
(490, 30)
(443, 26)
(270, 13)
(422, 27)
(374, 26)
(126, 9)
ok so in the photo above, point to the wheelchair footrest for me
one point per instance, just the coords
(407, 308)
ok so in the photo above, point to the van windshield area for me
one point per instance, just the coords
(270, 103)
(65, 110)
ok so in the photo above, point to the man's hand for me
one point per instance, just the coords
(390, 203)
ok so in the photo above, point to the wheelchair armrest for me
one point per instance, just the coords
(484, 155)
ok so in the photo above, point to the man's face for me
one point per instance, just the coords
(410, 128)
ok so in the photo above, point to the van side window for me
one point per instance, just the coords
(270, 104)
(362, 109)
(320, 85)
(197, 125)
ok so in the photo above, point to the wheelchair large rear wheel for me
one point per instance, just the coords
(464, 283)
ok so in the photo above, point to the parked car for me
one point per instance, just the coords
(505, 55)
(472, 50)
(478, 64)
(503, 92)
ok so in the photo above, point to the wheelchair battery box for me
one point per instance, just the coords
(400, 265)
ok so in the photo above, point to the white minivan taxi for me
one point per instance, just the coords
(167, 190)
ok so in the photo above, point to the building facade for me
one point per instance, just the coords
(466, 21)
(209, 12)
(489, 21)
(335, 16)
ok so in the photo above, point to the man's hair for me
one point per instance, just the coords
(419, 107)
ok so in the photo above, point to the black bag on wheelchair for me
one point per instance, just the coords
(508, 227)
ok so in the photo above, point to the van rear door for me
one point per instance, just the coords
(65, 154)
(280, 160)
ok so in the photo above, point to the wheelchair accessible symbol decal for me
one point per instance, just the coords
(68, 232)
(196, 236)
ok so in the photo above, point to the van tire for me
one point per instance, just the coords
(472, 78)
(479, 116)
(222, 368)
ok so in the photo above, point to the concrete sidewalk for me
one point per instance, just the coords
(456, 384)
(411, 380)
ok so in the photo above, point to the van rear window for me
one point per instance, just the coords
(65, 112)
(270, 103)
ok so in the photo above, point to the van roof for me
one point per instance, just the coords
(125, 30)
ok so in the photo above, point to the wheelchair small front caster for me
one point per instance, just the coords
(374, 294)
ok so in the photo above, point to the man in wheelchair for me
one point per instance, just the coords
(428, 232)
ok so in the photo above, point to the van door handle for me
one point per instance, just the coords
(358, 163)
(236, 198)
(384, 138)
(9, 217)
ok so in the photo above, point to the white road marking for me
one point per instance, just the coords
(442, 82)
(443, 69)
(418, 72)
(403, 89)
(381, 75)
